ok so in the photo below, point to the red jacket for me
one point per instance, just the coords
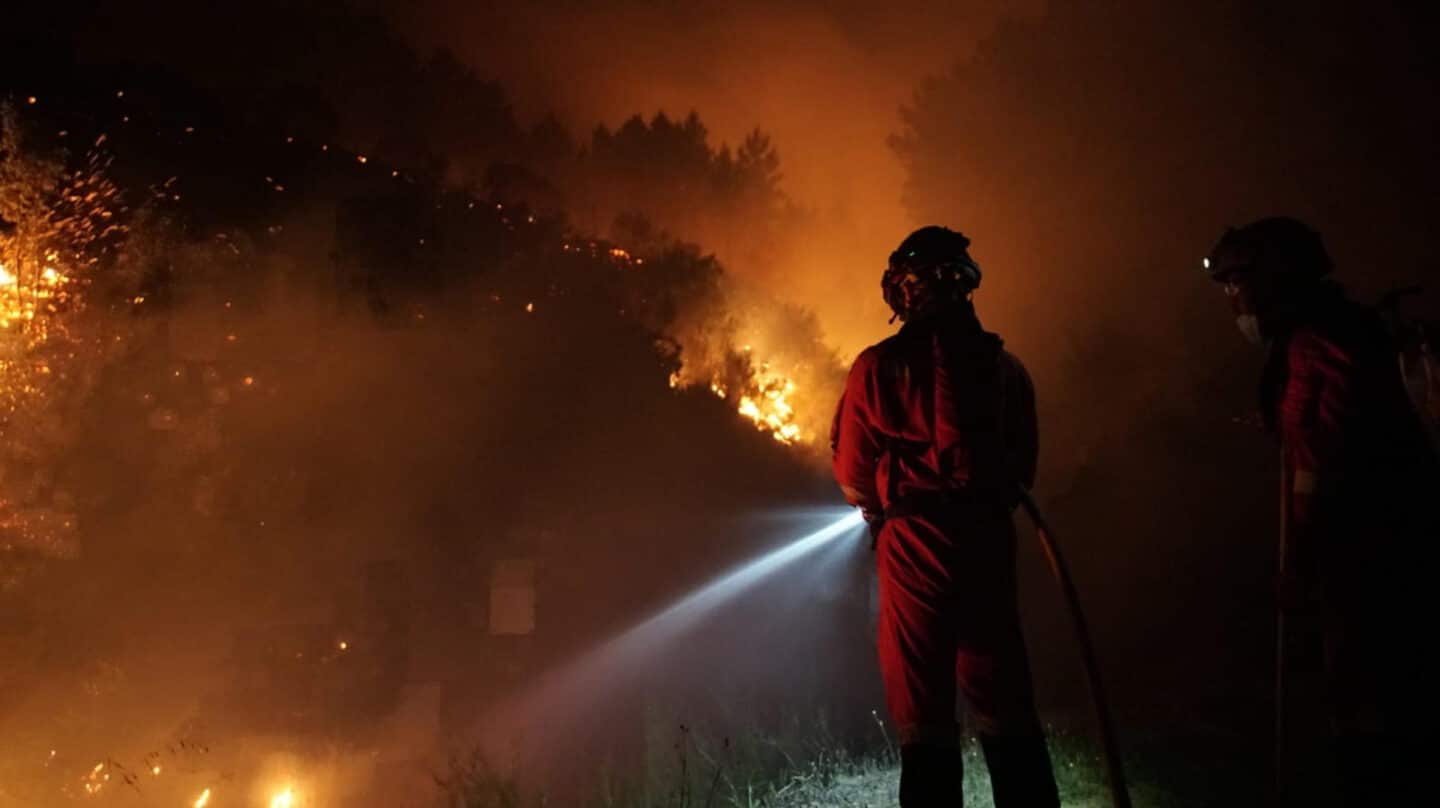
(1361, 479)
(938, 406)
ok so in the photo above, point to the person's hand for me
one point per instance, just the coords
(875, 522)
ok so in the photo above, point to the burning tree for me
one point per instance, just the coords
(58, 223)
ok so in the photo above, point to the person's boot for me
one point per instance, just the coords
(931, 777)
(1020, 772)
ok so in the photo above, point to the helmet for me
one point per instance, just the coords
(930, 270)
(1285, 248)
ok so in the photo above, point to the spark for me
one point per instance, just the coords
(202, 800)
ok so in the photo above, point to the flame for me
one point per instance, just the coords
(283, 799)
(202, 800)
(770, 408)
(24, 298)
(767, 399)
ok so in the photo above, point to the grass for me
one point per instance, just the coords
(803, 766)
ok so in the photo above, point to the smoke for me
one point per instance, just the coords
(330, 424)
(403, 434)
(825, 79)
(1096, 155)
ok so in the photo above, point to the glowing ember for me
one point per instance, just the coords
(58, 224)
(24, 296)
(95, 781)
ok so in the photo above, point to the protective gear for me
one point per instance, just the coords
(874, 523)
(1265, 266)
(1249, 325)
(940, 408)
(1280, 247)
(1360, 485)
(1011, 761)
(930, 271)
(931, 776)
(936, 426)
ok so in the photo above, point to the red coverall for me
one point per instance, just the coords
(1360, 492)
(942, 408)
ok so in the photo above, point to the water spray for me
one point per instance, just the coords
(689, 609)
(1109, 742)
(556, 694)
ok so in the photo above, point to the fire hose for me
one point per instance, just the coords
(1109, 742)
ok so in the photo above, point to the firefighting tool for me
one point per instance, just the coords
(1109, 742)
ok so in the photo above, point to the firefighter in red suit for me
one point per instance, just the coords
(1359, 487)
(934, 432)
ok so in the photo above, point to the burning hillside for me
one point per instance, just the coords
(292, 403)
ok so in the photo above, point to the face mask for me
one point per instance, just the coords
(1249, 326)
